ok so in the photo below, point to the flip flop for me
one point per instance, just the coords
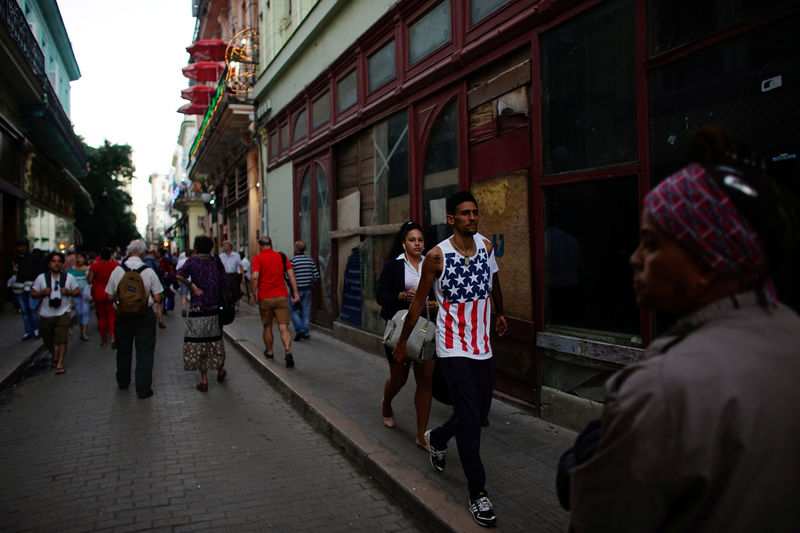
(60, 370)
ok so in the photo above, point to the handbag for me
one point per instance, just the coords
(86, 293)
(227, 312)
(421, 343)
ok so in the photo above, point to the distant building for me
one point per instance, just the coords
(159, 217)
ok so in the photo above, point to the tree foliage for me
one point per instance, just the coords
(110, 222)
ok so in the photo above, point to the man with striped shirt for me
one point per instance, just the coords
(460, 271)
(306, 273)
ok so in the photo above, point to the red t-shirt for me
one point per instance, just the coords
(269, 265)
(102, 271)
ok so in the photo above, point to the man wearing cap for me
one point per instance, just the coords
(268, 288)
(27, 266)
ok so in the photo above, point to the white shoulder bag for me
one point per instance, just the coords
(421, 343)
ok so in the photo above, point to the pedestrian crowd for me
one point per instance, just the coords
(694, 436)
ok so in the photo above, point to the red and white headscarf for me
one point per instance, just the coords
(695, 211)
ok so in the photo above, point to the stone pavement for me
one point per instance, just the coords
(77, 454)
(338, 388)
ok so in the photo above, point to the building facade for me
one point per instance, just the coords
(41, 158)
(159, 215)
(557, 115)
(223, 163)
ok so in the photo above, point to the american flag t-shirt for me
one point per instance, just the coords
(463, 292)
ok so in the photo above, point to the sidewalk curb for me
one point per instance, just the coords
(9, 379)
(431, 506)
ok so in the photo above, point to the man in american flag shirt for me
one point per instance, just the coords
(460, 271)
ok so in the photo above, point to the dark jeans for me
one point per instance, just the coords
(470, 383)
(30, 312)
(301, 318)
(142, 331)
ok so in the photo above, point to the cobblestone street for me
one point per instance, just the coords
(78, 454)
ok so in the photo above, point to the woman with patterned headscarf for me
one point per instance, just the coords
(702, 433)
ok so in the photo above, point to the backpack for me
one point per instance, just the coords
(131, 296)
(62, 279)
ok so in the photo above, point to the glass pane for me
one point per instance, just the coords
(300, 126)
(346, 91)
(429, 32)
(305, 208)
(441, 175)
(273, 144)
(390, 139)
(746, 85)
(324, 240)
(284, 136)
(321, 109)
(589, 104)
(480, 9)
(381, 66)
(668, 25)
(591, 228)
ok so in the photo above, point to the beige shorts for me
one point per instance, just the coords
(54, 329)
(274, 308)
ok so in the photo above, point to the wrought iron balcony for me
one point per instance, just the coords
(14, 19)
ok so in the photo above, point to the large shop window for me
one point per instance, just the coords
(589, 90)
(324, 239)
(440, 179)
(381, 66)
(591, 229)
(747, 85)
(390, 141)
(480, 9)
(346, 91)
(305, 208)
(669, 27)
(429, 33)
(319, 193)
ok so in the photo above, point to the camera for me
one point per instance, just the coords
(54, 302)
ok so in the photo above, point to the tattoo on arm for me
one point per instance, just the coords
(437, 259)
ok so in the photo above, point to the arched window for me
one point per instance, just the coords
(440, 178)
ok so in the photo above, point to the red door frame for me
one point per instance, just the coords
(324, 159)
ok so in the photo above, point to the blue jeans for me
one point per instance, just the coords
(301, 318)
(30, 312)
(82, 309)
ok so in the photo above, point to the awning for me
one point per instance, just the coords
(203, 71)
(193, 109)
(198, 94)
(208, 50)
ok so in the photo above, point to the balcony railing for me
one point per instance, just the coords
(14, 19)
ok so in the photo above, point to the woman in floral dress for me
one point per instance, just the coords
(203, 348)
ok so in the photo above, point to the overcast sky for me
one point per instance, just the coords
(130, 53)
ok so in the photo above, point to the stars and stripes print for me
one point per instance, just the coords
(465, 311)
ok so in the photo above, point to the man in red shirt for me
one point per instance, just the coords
(268, 285)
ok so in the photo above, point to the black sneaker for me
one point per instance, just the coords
(298, 337)
(482, 510)
(268, 355)
(289, 359)
(183, 313)
(438, 460)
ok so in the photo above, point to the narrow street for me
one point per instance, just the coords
(78, 454)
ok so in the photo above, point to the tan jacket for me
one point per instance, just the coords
(703, 434)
